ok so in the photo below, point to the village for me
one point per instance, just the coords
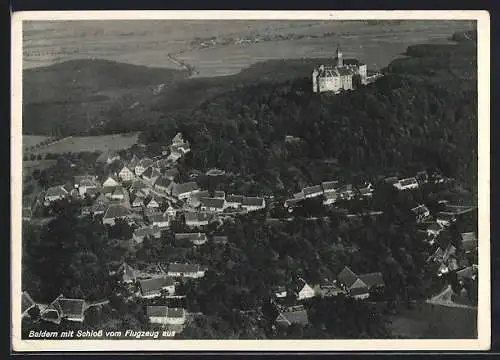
(144, 194)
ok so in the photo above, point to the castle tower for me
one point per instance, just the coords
(340, 61)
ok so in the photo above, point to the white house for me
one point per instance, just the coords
(125, 174)
(156, 286)
(163, 315)
(110, 182)
(312, 191)
(185, 270)
(160, 220)
(406, 184)
(330, 197)
(303, 290)
(251, 203)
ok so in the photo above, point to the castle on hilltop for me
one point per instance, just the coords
(339, 77)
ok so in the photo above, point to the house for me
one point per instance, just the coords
(300, 195)
(171, 173)
(330, 198)
(138, 201)
(102, 199)
(328, 289)
(133, 163)
(215, 172)
(195, 238)
(163, 315)
(185, 190)
(27, 303)
(366, 191)
(142, 165)
(422, 177)
(442, 270)
(312, 191)
(445, 219)
(55, 193)
(219, 194)
(151, 175)
(115, 212)
(160, 220)
(125, 174)
(150, 231)
(303, 290)
(185, 270)
(194, 219)
(468, 241)
(406, 184)
(290, 204)
(178, 139)
(212, 204)
(251, 203)
(434, 229)
(346, 192)
(108, 157)
(171, 212)
(467, 274)
(97, 209)
(280, 292)
(329, 186)
(137, 186)
(174, 155)
(118, 193)
(110, 181)
(359, 286)
(164, 184)
(86, 183)
(234, 201)
(152, 202)
(295, 315)
(128, 273)
(421, 212)
(156, 286)
(63, 308)
(219, 239)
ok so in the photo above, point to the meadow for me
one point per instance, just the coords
(90, 144)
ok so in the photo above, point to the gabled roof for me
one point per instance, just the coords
(128, 272)
(71, 307)
(293, 317)
(183, 268)
(157, 283)
(372, 279)
(347, 276)
(178, 139)
(125, 168)
(238, 199)
(329, 185)
(133, 162)
(102, 199)
(119, 191)
(362, 290)
(198, 216)
(156, 311)
(420, 210)
(252, 201)
(79, 178)
(467, 273)
(26, 301)
(312, 189)
(115, 211)
(408, 181)
(176, 312)
(212, 202)
(56, 191)
(219, 194)
(184, 188)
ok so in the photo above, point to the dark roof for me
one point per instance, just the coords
(359, 291)
(329, 185)
(252, 201)
(156, 311)
(219, 239)
(420, 209)
(153, 284)
(185, 187)
(163, 181)
(198, 216)
(408, 181)
(372, 279)
(56, 191)
(175, 312)
(71, 307)
(183, 268)
(347, 276)
(312, 189)
(212, 202)
(293, 317)
(219, 194)
(115, 211)
(191, 236)
(234, 199)
(26, 301)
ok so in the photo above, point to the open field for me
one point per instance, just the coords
(224, 47)
(91, 143)
(429, 321)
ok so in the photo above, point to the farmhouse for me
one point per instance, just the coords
(142, 165)
(62, 308)
(185, 270)
(294, 315)
(115, 212)
(163, 315)
(234, 201)
(55, 193)
(185, 190)
(125, 174)
(406, 184)
(359, 286)
(194, 219)
(303, 290)
(194, 238)
(211, 204)
(251, 203)
(154, 287)
(312, 191)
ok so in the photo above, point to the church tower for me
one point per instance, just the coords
(340, 61)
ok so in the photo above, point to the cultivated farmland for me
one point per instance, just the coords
(90, 144)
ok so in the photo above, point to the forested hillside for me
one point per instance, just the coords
(424, 111)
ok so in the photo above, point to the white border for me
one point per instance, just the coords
(484, 312)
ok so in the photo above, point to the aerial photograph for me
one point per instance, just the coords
(249, 179)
